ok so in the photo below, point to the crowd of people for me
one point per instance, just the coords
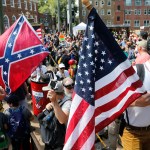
(60, 76)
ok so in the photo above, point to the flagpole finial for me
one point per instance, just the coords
(87, 4)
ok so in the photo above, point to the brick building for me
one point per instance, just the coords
(105, 9)
(134, 13)
(12, 9)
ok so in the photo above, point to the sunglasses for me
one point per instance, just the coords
(62, 68)
(70, 86)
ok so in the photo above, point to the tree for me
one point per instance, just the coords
(50, 7)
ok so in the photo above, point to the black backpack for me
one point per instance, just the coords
(52, 132)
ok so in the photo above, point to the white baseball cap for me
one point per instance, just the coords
(61, 65)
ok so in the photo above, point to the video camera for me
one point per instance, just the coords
(53, 85)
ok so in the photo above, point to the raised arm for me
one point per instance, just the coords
(87, 4)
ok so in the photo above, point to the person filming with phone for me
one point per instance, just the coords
(54, 117)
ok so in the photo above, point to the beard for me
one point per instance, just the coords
(68, 94)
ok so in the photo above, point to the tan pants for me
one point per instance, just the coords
(136, 140)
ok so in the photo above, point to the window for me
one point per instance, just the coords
(148, 11)
(145, 11)
(12, 3)
(30, 5)
(102, 2)
(138, 2)
(118, 7)
(108, 12)
(128, 2)
(102, 12)
(136, 23)
(109, 2)
(34, 6)
(118, 18)
(127, 12)
(127, 22)
(139, 12)
(25, 5)
(147, 2)
(83, 13)
(108, 22)
(4, 2)
(13, 19)
(146, 23)
(6, 22)
(96, 3)
(19, 4)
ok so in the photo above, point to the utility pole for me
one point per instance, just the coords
(70, 16)
(58, 5)
(1, 18)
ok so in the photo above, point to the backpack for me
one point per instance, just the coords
(18, 126)
(52, 132)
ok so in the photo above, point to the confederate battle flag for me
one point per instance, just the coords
(21, 51)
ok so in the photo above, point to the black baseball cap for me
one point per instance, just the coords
(12, 98)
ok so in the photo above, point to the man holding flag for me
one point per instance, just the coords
(106, 84)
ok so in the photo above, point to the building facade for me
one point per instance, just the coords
(133, 13)
(12, 9)
(105, 8)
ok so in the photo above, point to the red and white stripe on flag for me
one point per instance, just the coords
(39, 33)
(81, 125)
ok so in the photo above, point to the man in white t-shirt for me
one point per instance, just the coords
(62, 73)
(136, 135)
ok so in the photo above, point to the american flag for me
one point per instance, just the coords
(21, 52)
(39, 33)
(106, 84)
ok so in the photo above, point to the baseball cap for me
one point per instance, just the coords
(55, 85)
(61, 65)
(142, 43)
(12, 98)
(67, 81)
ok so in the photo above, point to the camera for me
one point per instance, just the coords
(53, 85)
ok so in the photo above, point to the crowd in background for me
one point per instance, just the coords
(61, 66)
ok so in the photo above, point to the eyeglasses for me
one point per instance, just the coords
(70, 86)
(62, 68)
